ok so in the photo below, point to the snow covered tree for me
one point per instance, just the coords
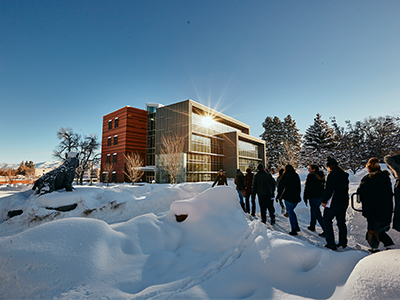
(318, 143)
(350, 148)
(282, 142)
(291, 142)
(273, 135)
(381, 135)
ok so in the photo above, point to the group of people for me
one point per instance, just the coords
(332, 193)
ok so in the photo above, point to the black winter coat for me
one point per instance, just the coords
(263, 184)
(220, 180)
(314, 185)
(290, 187)
(239, 181)
(394, 163)
(248, 181)
(337, 184)
(376, 195)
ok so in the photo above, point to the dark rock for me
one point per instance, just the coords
(13, 213)
(64, 208)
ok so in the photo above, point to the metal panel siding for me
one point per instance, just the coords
(131, 132)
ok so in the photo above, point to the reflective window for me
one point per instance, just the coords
(248, 149)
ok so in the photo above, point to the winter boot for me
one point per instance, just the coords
(311, 228)
(293, 232)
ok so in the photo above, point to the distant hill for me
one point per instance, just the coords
(41, 165)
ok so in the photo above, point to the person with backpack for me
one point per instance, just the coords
(313, 190)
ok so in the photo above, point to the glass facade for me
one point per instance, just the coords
(206, 158)
(207, 126)
(248, 156)
(151, 135)
(248, 149)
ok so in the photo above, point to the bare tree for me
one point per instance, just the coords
(11, 175)
(171, 155)
(108, 169)
(69, 141)
(88, 155)
(133, 162)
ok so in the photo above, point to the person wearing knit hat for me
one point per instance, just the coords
(376, 195)
(393, 162)
(335, 200)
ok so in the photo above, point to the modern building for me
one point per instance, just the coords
(212, 141)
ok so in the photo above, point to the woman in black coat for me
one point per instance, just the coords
(248, 182)
(289, 190)
(376, 196)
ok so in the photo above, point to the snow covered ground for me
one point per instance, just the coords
(124, 242)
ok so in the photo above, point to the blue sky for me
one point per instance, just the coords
(68, 63)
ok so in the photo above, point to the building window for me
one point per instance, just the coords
(114, 177)
(108, 159)
(115, 140)
(109, 142)
(116, 123)
(114, 158)
(110, 124)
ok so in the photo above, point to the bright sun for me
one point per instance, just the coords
(208, 120)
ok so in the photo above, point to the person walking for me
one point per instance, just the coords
(376, 195)
(248, 182)
(313, 190)
(264, 188)
(289, 190)
(278, 179)
(393, 162)
(335, 200)
(239, 181)
(221, 179)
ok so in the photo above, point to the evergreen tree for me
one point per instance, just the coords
(318, 143)
(282, 142)
(291, 142)
(273, 136)
(351, 148)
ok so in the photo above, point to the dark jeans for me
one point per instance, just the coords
(290, 206)
(338, 212)
(265, 202)
(383, 236)
(315, 211)
(253, 204)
